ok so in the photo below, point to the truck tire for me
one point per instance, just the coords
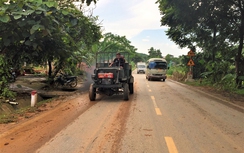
(92, 93)
(131, 88)
(126, 92)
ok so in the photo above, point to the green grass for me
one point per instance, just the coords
(239, 91)
(206, 83)
(200, 83)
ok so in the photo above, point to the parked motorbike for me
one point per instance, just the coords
(65, 80)
(13, 75)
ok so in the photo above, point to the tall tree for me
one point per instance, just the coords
(154, 53)
(44, 30)
(215, 26)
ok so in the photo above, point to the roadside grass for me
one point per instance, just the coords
(207, 83)
(22, 112)
(239, 91)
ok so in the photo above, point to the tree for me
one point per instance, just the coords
(114, 43)
(48, 30)
(215, 26)
(154, 53)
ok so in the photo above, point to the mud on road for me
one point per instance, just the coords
(31, 134)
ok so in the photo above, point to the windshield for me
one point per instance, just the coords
(157, 65)
(141, 66)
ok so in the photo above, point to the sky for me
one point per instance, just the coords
(139, 21)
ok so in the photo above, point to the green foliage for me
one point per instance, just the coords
(154, 53)
(216, 27)
(115, 43)
(4, 78)
(45, 30)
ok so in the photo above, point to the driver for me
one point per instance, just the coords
(118, 61)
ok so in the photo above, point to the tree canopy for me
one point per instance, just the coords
(154, 53)
(217, 27)
(37, 31)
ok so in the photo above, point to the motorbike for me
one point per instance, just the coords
(12, 75)
(65, 80)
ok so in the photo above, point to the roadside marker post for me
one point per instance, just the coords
(33, 98)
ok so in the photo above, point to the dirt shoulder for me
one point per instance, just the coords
(42, 126)
(226, 97)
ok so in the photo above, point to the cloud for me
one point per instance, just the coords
(139, 21)
(145, 40)
(128, 19)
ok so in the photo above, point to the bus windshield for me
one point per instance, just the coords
(157, 65)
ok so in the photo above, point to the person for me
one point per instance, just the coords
(119, 61)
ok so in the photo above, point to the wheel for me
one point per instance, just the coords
(163, 80)
(149, 79)
(92, 93)
(73, 83)
(131, 88)
(56, 84)
(126, 92)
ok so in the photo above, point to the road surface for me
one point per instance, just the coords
(161, 117)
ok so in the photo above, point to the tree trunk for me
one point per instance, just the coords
(49, 69)
(214, 47)
(239, 53)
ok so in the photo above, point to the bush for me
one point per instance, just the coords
(4, 79)
(178, 72)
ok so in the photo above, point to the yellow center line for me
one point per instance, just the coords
(149, 90)
(148, 86)
(171, 145)
(158, 112)
(154, 102)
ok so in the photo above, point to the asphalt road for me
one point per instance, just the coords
(160, 117)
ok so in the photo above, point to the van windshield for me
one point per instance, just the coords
(141, 66)
(157, 65)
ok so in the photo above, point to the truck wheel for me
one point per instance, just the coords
(163, 80)
(126, 92)
(131, 88)
(92, 93)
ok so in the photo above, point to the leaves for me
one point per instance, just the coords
(4, 18)
(51, 4)
(16, 17)
(36, 31)
(212, 26)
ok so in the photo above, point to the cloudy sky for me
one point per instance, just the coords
(139, 21)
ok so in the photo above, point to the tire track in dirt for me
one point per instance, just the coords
(122, 121)
(108, 137)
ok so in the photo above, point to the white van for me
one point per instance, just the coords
(141, 67)
(156, 69)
